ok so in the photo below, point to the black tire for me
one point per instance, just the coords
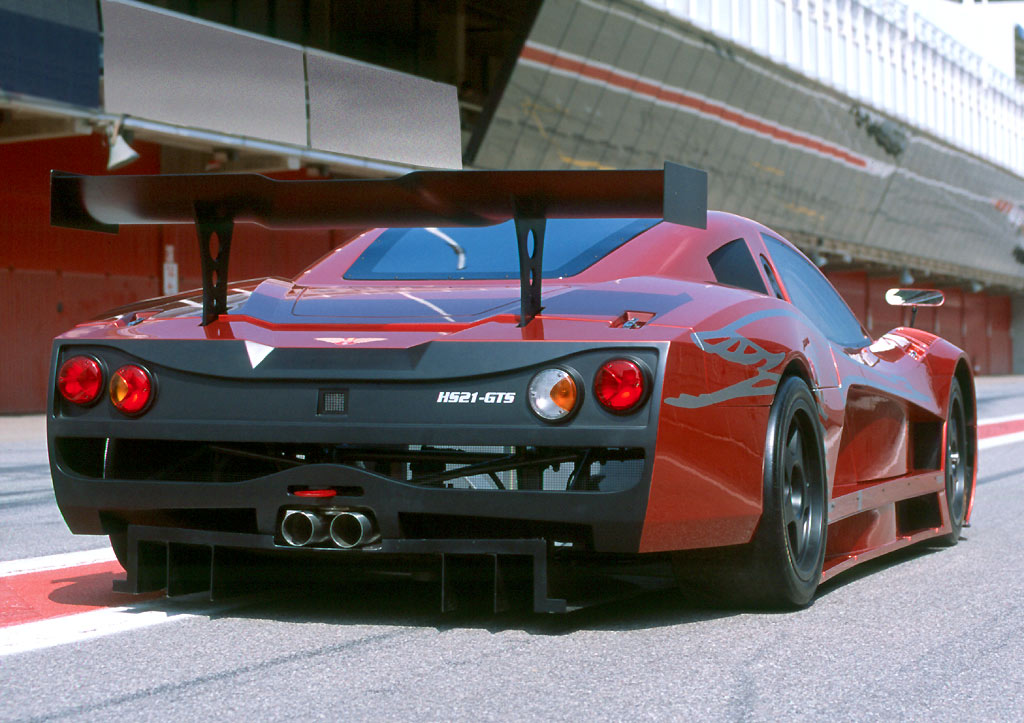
(958, 465)
(781, 566)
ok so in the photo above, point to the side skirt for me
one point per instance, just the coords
(870, 520)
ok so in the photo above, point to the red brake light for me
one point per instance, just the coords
(80, 380)
(620, 385)
(315, 493)
(131, 389)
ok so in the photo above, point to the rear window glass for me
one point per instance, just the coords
(490, 252)
(812, 293)
(733, 265)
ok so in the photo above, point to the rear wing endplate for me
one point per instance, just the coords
(215, 202)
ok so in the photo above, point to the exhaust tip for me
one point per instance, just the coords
(351, 529)
(301, 527)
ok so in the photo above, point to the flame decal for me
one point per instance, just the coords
(729, 344)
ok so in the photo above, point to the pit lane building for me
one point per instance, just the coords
(875, 141)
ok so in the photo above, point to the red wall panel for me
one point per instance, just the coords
(882, 317)
(255, 252)
(1000, 345)
(93, 294)
(977, 331)
(27, 241)
(37, 306)
(950, 317)
(51, 279)
(853, 287)
(25, 353)
(978, 323)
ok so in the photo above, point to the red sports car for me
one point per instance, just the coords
(515, 372)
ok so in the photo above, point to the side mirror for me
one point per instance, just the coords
(914, 298)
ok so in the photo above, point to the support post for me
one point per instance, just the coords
(213, 221)
(530, 265)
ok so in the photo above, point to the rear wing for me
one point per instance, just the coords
(214, 203)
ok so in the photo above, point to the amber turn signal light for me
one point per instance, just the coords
(131, 389)
(553, 394)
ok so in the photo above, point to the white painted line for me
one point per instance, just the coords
(56, 562)
(41, 634)
(49, 633)
(1001, 440)
(1000, 420)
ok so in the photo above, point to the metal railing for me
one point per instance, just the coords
(884, 54)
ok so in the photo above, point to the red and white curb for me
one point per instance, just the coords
(68, 598)
(1000, 430)
(56, 562)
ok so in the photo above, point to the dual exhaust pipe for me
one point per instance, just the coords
(346, 529)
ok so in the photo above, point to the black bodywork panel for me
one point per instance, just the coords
(209, 392)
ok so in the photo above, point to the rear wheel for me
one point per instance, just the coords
(958, 466)
(781, 566)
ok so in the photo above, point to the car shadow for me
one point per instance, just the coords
(877, 565)
(93, 590)
(402, 601)
(417, 604)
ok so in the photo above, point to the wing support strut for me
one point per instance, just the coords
(212, 221)
(215, 202)
(530, 264)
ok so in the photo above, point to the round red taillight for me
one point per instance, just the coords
(131, 389)
(80, 379)
(620, 385)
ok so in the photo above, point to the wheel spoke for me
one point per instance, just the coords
(802, 526)
(795, 447)
(790, 510)
(795, 497)
(799, 514)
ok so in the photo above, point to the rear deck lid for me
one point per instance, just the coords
(416, 304)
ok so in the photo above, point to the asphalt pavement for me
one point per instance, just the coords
(924, 634)
(30, 523)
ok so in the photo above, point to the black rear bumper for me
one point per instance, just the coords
(605, 522)
(211, 390)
